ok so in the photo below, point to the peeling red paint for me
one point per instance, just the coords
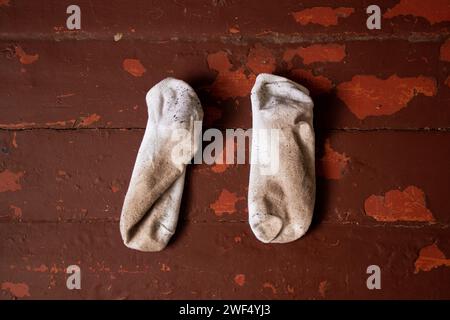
(435, 12)
(317, 84)
(88, 120)
(323, 288)
(25, 58)
(261, 60)
(82, 122)
(234, 30)
(268, 285)
(115, 186)
(19, 290)
(396, 205)
(14, 140)
(445, 51)
(333, 164)
(430, 257)
(228, 83)
(17, 212)
(316, 53)
(239, 279)
(226, 203)
(324, 16)
(367, 95)
(9, 181)
(134, 67)
(447, 81)
(165, 267)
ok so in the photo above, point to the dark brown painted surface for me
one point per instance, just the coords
(72, 114)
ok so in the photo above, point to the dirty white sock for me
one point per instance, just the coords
(281, 204)
(150, 210)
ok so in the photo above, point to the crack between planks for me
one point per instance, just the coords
(269, 37)
(344, 129)
(405, 225)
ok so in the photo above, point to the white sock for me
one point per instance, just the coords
(281, 205)
(150, 210)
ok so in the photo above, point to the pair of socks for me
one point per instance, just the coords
(280, 204)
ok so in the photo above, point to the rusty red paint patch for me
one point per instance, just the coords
(133, 67)
(333, 164)
(165, 268)
(435, 12)
(234, 30)
(268, 285)
(445, 51)
(239, 279)
(23, 57)
(16, 212)
(228, 83)
(447, 81)
(430, 257)
(14, 141)
(225, 204)
(367, 95)
(316, 53)
(88, 120)
(396, 205)
(324, 16)
(323, 288)
(19, 290)
(261, 60)
(115, 186)
(9, 181)
(4, 2)
(317, 84)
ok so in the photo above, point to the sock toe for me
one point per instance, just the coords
(266, 227)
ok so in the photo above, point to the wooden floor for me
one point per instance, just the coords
(72, 114)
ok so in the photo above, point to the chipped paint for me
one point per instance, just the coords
(435, 12)
(268, 285)
(317, 84)
(16, 212)
(18, 290)
(239, 279)
(430, 257)
(333, 164)
(367, 95)
(225, 204)
(316, 53)
(25, 58)
(261, 60)
(88, 120)
(234, 82)
(10, 181)
(229, 83)
(324, 16)
(323, 288)
(396, 205)
(133, 67)
(165, 268)
(14, 140)
(234, 29)
(445, 51)
(115, 186)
